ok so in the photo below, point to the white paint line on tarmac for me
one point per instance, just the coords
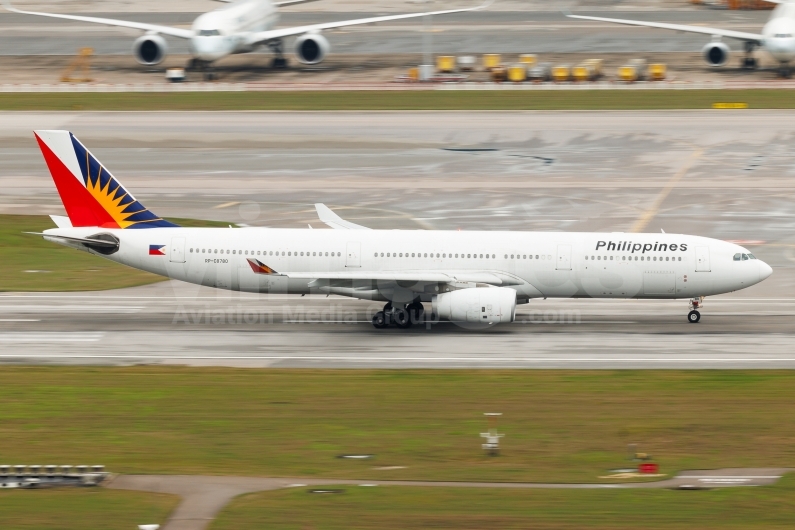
(48, 337)
(20, 320)
(364, 359)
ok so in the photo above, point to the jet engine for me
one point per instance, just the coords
(715, 53)
(483, 305)
(311, 48)
(150, 49)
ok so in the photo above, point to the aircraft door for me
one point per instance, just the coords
(177, 251)
(353, 255)
(563, 262)
(702, 259)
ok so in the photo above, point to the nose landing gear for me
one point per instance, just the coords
(694, 315)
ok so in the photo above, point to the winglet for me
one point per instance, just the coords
(333, 220)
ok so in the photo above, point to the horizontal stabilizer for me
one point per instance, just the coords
(335, 221)
(88, 241)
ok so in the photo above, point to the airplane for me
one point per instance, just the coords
(777, 37)
(241, 26)
(474, 278)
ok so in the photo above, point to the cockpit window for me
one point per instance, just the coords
(783, 35)
(208, 32)
(751, 256)
(738, 257)
(745, 257)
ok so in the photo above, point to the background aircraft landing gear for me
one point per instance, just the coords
(749, 62)
(379, 320)
(277, 47)
(694, 316)
(416, 312)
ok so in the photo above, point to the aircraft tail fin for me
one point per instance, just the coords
(90, 194)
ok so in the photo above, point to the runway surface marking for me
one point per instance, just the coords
(651, 212)
(48, 337)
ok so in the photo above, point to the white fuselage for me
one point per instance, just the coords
(535, 264)
(779, 33)
(224, 31)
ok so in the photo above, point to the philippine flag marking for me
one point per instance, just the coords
(157, 250)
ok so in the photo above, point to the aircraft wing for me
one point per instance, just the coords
(165, 30)
(420, 276)
(335, 221)
(263, 36)
(741, 35)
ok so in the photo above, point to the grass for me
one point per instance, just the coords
(57, 268)
(403, 100)
(397, 507)
(82, 508)
(566, 426)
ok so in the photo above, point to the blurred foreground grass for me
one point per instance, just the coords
(82, 509)
(29, 263)
(404, 100)
(399, 507)
(570, 426)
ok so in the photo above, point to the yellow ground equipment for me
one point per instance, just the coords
(414, 74)
(528, 59)
(82, 63)
(445, 64)
(634, 70)
(491, 60)
(517, 73)
(657, 71)
(583, 72)
(561, 73)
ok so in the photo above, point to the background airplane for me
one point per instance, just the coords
(777, 37)
(474, 277)
(238, 27)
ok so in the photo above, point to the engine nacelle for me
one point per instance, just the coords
(715, 53)
(311, 48)
(150, 49)
(481, 305)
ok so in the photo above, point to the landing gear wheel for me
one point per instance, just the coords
(401, 318)
(416, 312)
(209, 75)
(749, 63)
(379, 320)
(279, 63)
(693, 317)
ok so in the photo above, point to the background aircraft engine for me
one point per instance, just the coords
(311, 48)
(484, 305)
(150, 49)
(715, 53)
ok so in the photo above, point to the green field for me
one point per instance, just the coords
(404, 100)
(28, 263)
(569, 426)
(82, 509)
(397, 507)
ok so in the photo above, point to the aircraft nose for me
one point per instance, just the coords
(765, 270)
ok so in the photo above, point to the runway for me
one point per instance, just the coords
(727, 175)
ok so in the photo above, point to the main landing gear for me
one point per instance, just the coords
(402, 317)
(277, 47)
(749, 62)
(694, 316)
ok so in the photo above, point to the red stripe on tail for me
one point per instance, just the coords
(81, 207)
